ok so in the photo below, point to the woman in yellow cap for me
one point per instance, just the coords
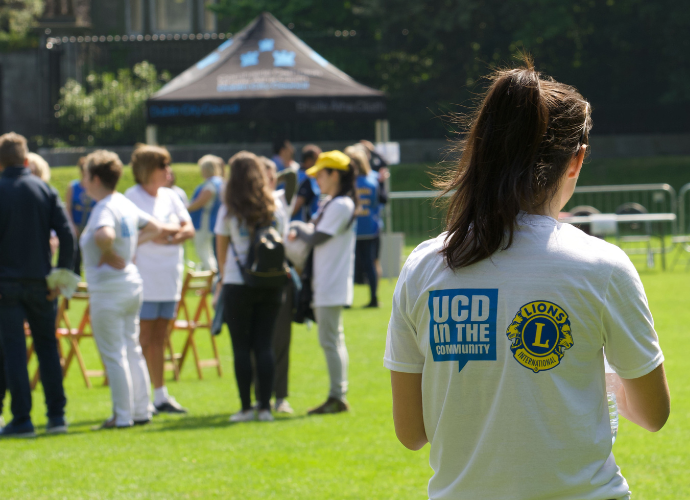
(333, 241)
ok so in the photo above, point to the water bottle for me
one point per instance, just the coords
(613, 382)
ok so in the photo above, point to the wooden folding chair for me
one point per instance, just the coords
(64, 330)
(199, 284)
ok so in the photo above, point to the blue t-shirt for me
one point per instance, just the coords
(368, 219)
(81, 205)
(197, 215)
(309, 190)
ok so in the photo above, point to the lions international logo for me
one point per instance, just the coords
(540, 333)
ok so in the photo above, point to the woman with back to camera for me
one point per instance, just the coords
(498, 326)
(333, 241)
(250, 312)
(109, 242)
(159, 262)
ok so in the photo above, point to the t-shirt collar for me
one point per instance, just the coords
(535, 220)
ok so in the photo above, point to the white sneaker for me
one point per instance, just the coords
(243, 416)
(265, 416)
(282, 406)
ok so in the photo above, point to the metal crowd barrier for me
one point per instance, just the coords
(683, 216)
(420, 215)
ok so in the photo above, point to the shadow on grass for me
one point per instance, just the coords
(192, 423)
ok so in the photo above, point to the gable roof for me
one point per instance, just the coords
(265, 71)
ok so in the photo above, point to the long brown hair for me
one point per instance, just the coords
(247, 195)
(520, 142)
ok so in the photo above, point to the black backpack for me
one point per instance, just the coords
(265, 266)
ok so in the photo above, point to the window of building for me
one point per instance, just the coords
(135, 16)
(171, 16)
(207, 18)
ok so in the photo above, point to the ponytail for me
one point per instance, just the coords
(519, 145)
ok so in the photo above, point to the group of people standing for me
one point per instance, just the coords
(132, 254)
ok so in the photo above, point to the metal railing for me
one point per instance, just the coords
(683, 216)
(417, 214)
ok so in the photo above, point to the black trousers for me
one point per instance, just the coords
(19, 301)
(282, 335)
(251, 314)
(365, 257)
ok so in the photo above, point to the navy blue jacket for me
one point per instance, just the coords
(29, 209)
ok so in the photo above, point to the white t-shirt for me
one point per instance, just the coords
(527, 416)
(239, 235)
(126, 219)
(160, 266)
(334, 260)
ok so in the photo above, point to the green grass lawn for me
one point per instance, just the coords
(346, 456)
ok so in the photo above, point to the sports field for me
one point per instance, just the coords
(352, 456)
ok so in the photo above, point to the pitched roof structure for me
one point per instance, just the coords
(264, 72)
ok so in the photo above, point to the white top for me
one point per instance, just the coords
(126, 219)
(334, 260)
(527, 416)
(160, 266)
(239, 236)
(181, 193)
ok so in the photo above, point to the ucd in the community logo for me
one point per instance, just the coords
(462, 326)
(540, 333)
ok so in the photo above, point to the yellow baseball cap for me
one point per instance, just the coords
(330, 159)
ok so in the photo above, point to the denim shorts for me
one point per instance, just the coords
(155, 310)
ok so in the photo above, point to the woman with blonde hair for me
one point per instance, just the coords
(38, 166)
(160, 262)
(249, 311)
(203, 209)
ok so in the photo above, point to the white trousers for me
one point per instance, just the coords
(332, 340)
(115, 323)
(203, 244)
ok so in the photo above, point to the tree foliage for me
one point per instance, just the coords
(630, 58)
(109, 108)
(18, 16)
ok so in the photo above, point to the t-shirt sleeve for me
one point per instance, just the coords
(336, 216)
(179, 208)
(104, 218)
(630, 342)
(402, 350)
(222, 224)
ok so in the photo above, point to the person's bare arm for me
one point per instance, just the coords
(204, 197)
(408, 416)
(645, 401)
(222, 244)
(185, 232)
(154, 229)
(104, 237)
(299, 203)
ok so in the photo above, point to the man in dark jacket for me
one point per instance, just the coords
(29, 209)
